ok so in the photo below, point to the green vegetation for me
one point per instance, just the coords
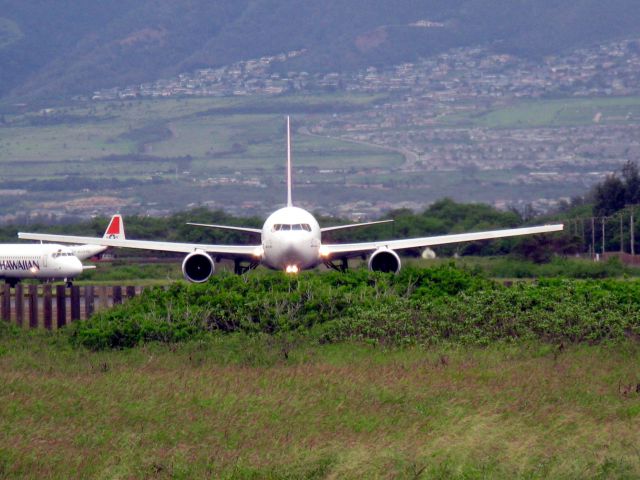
(418, 306)
(119, 272)
(239, 407)
(554, 113)
(139, 138)
(432, 373)
(510, 267)
(505, 267)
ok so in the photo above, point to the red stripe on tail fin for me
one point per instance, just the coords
(115, 228)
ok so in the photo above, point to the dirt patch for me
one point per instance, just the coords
(371, 40)
(146, 35)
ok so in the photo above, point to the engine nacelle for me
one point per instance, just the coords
(384, 260)
(197, 267)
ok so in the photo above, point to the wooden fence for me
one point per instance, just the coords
(625, 258)
(52, 307)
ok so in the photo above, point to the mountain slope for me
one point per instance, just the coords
(60, 47)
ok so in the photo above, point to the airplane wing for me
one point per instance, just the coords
(227, 227)
(342, 227)
(347, 249)
(227, 251)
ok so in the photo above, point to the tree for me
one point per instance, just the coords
(609, 196)
(631, 177)
(542, 248)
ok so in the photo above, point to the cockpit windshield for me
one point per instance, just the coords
(279, 227)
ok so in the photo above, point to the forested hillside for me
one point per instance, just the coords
(56, 48)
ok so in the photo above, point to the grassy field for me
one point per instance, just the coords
(549, 113)
(432, 373)
(234, 133)
(264, 408)
(9, 32)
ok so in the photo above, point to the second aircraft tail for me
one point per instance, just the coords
(115, 230)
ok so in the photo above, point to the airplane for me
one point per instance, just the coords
(51, 261)
(291, 241)
(38, 261)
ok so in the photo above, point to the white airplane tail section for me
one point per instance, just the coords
(115, 230)
(289, 202)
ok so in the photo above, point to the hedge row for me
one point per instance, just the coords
(430, 305)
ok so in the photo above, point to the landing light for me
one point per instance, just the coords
(33, 269)
(324, 251)
(258, 252)
(292, 269)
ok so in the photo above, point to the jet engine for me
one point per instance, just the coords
(384, 260)
(197, 267)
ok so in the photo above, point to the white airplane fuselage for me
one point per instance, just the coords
(84, 252)
(291, 240)
(40, 261)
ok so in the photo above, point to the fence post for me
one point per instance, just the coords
(33, 306)
(75, 303)
(131, 292)
(46, 306)
(103, 298)
(19, 301)
(6, 302)
(88, 301)
(117, 295)
(61, 305)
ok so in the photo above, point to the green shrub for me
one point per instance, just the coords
(430, 305)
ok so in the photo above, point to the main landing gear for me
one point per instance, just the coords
(343, 266)
(240, 267)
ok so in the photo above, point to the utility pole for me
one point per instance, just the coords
(593, 238)
(582, 230)
(621, 235)
(603, 219)
(633, 249)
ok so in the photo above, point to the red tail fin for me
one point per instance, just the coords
(115, 230)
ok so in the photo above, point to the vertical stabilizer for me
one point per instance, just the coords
(115, 230)
(289, 203)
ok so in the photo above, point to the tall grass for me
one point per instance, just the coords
(258, 406)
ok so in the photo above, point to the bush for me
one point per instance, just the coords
(431, 305)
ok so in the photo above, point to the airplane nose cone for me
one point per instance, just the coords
(290, 249)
